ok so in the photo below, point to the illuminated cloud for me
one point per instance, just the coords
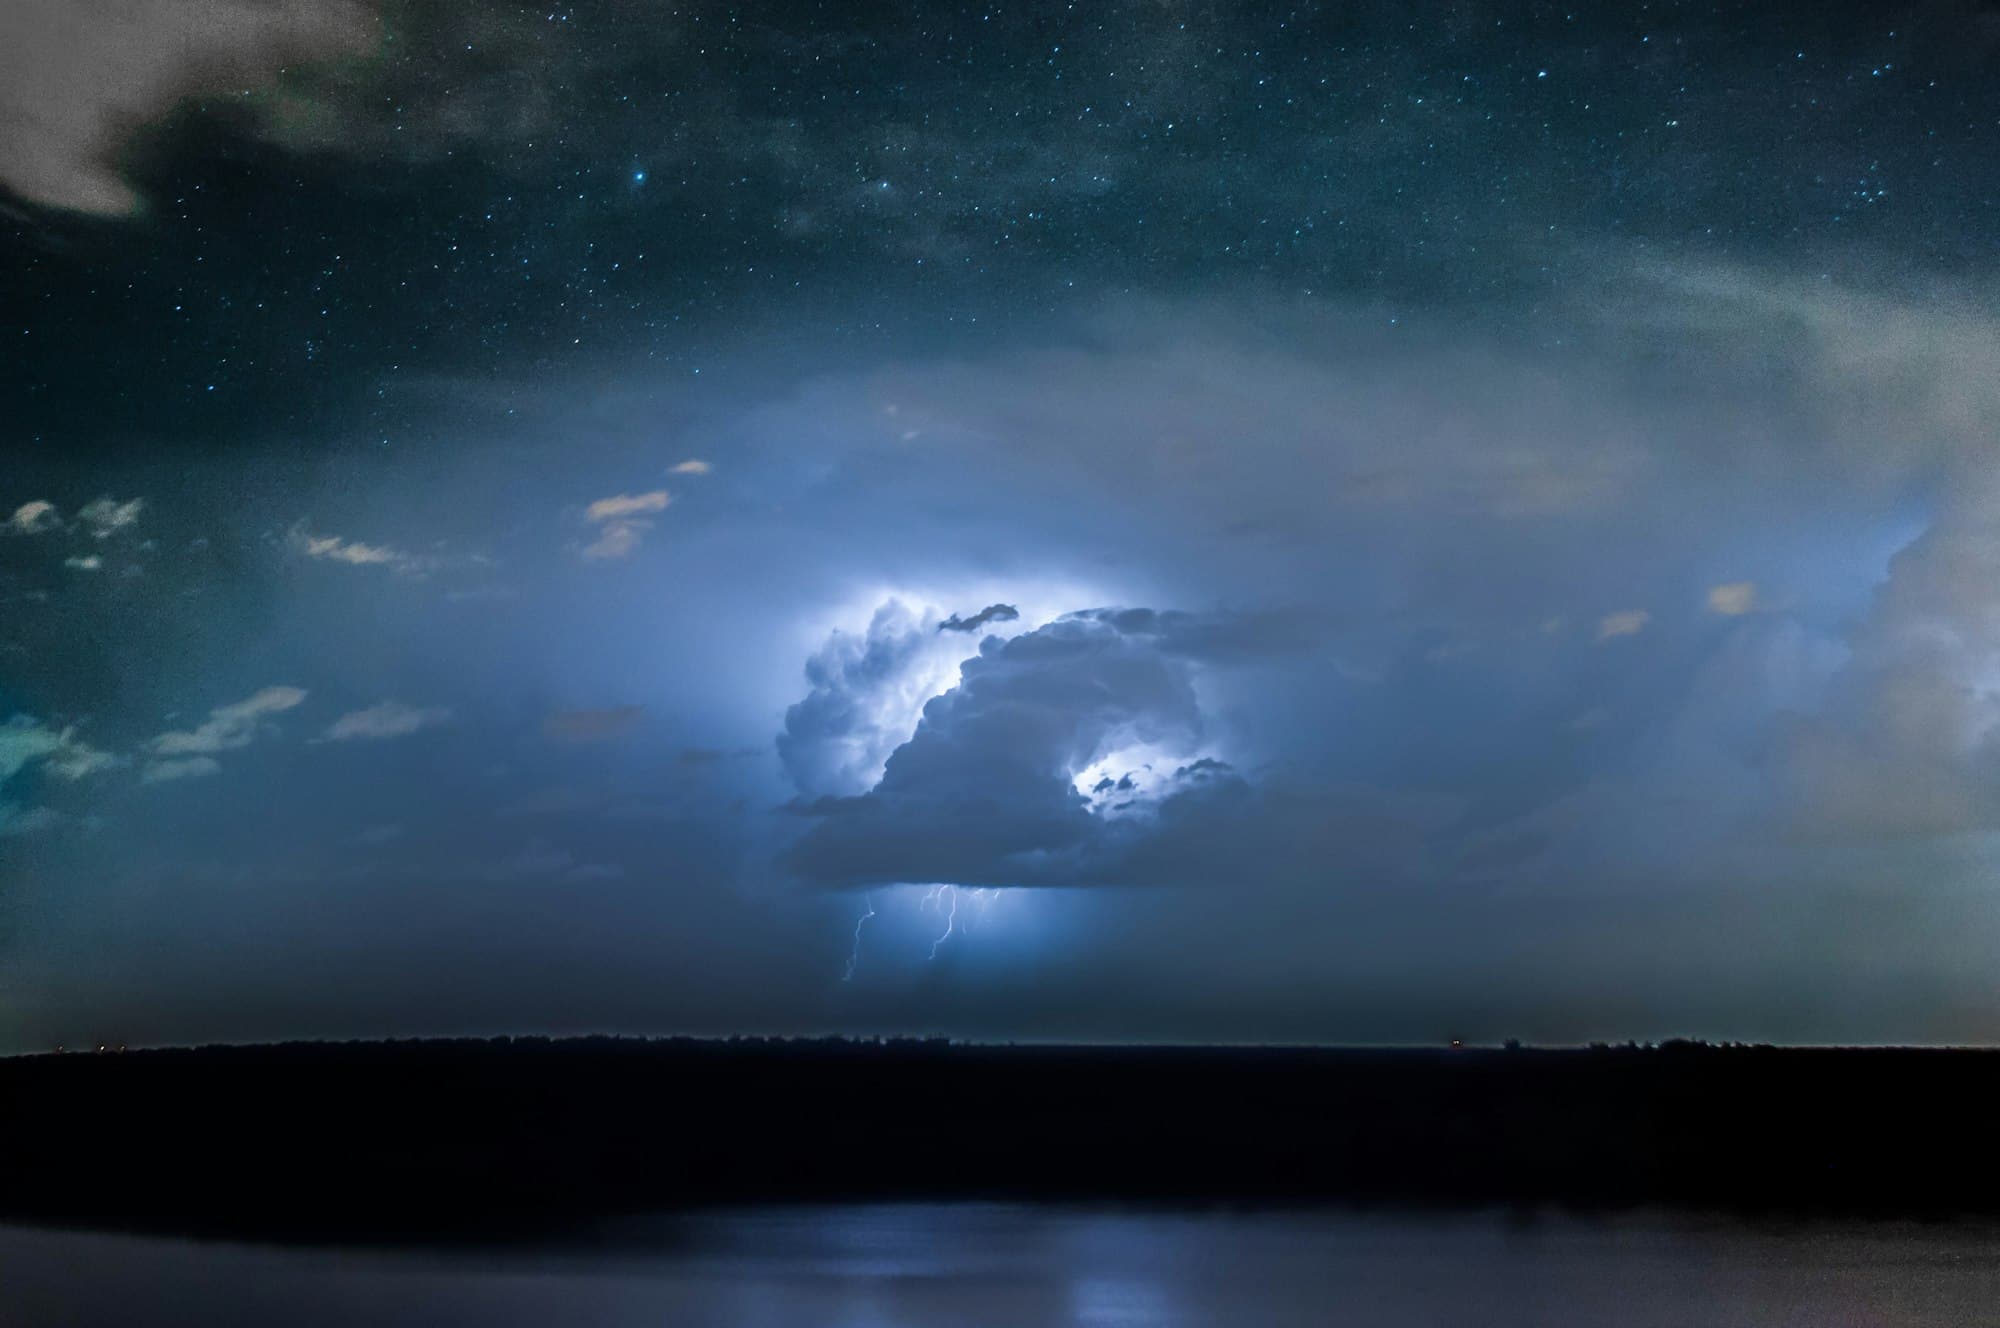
(31, 519)
(89, 562)
(227, 727)
(627, 504)
(332, 548)
(390, 719)
(866, 690)
(1909, 742)
(104, 517)
(985, 791)
(1626, 622)
(621, 522)
(1733, 599)
(692, 466)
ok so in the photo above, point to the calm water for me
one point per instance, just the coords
(1017, 1267)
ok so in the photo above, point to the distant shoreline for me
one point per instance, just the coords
(390, 1138)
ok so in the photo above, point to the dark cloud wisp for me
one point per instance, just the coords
(992, 613)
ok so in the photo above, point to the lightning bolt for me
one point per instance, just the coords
(854, 954)
(951, 919)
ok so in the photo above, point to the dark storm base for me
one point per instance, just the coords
(445, 1136)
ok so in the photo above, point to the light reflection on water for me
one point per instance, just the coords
(1016, 1267)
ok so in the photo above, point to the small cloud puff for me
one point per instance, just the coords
(1626, 622)
(1733, 599)
(390, 719)
(627, 504)
(88, 563)
(692, 466)
(621, 521)
(106, 516)
(31, 519)
(227, 728)
(332, 548)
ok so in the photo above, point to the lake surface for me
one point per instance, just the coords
(1016, 1267)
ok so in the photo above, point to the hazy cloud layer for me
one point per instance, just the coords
(77, 77)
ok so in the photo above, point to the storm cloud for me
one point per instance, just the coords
(1485, 527)
(985, 790)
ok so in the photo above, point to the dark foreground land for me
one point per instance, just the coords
(443, 1136)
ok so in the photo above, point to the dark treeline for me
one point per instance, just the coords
(466, 1135)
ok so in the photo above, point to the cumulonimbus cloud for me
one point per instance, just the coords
(984, 791)
(865, 690)
(1908, 741)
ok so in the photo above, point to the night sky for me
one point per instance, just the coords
(1144, 520)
